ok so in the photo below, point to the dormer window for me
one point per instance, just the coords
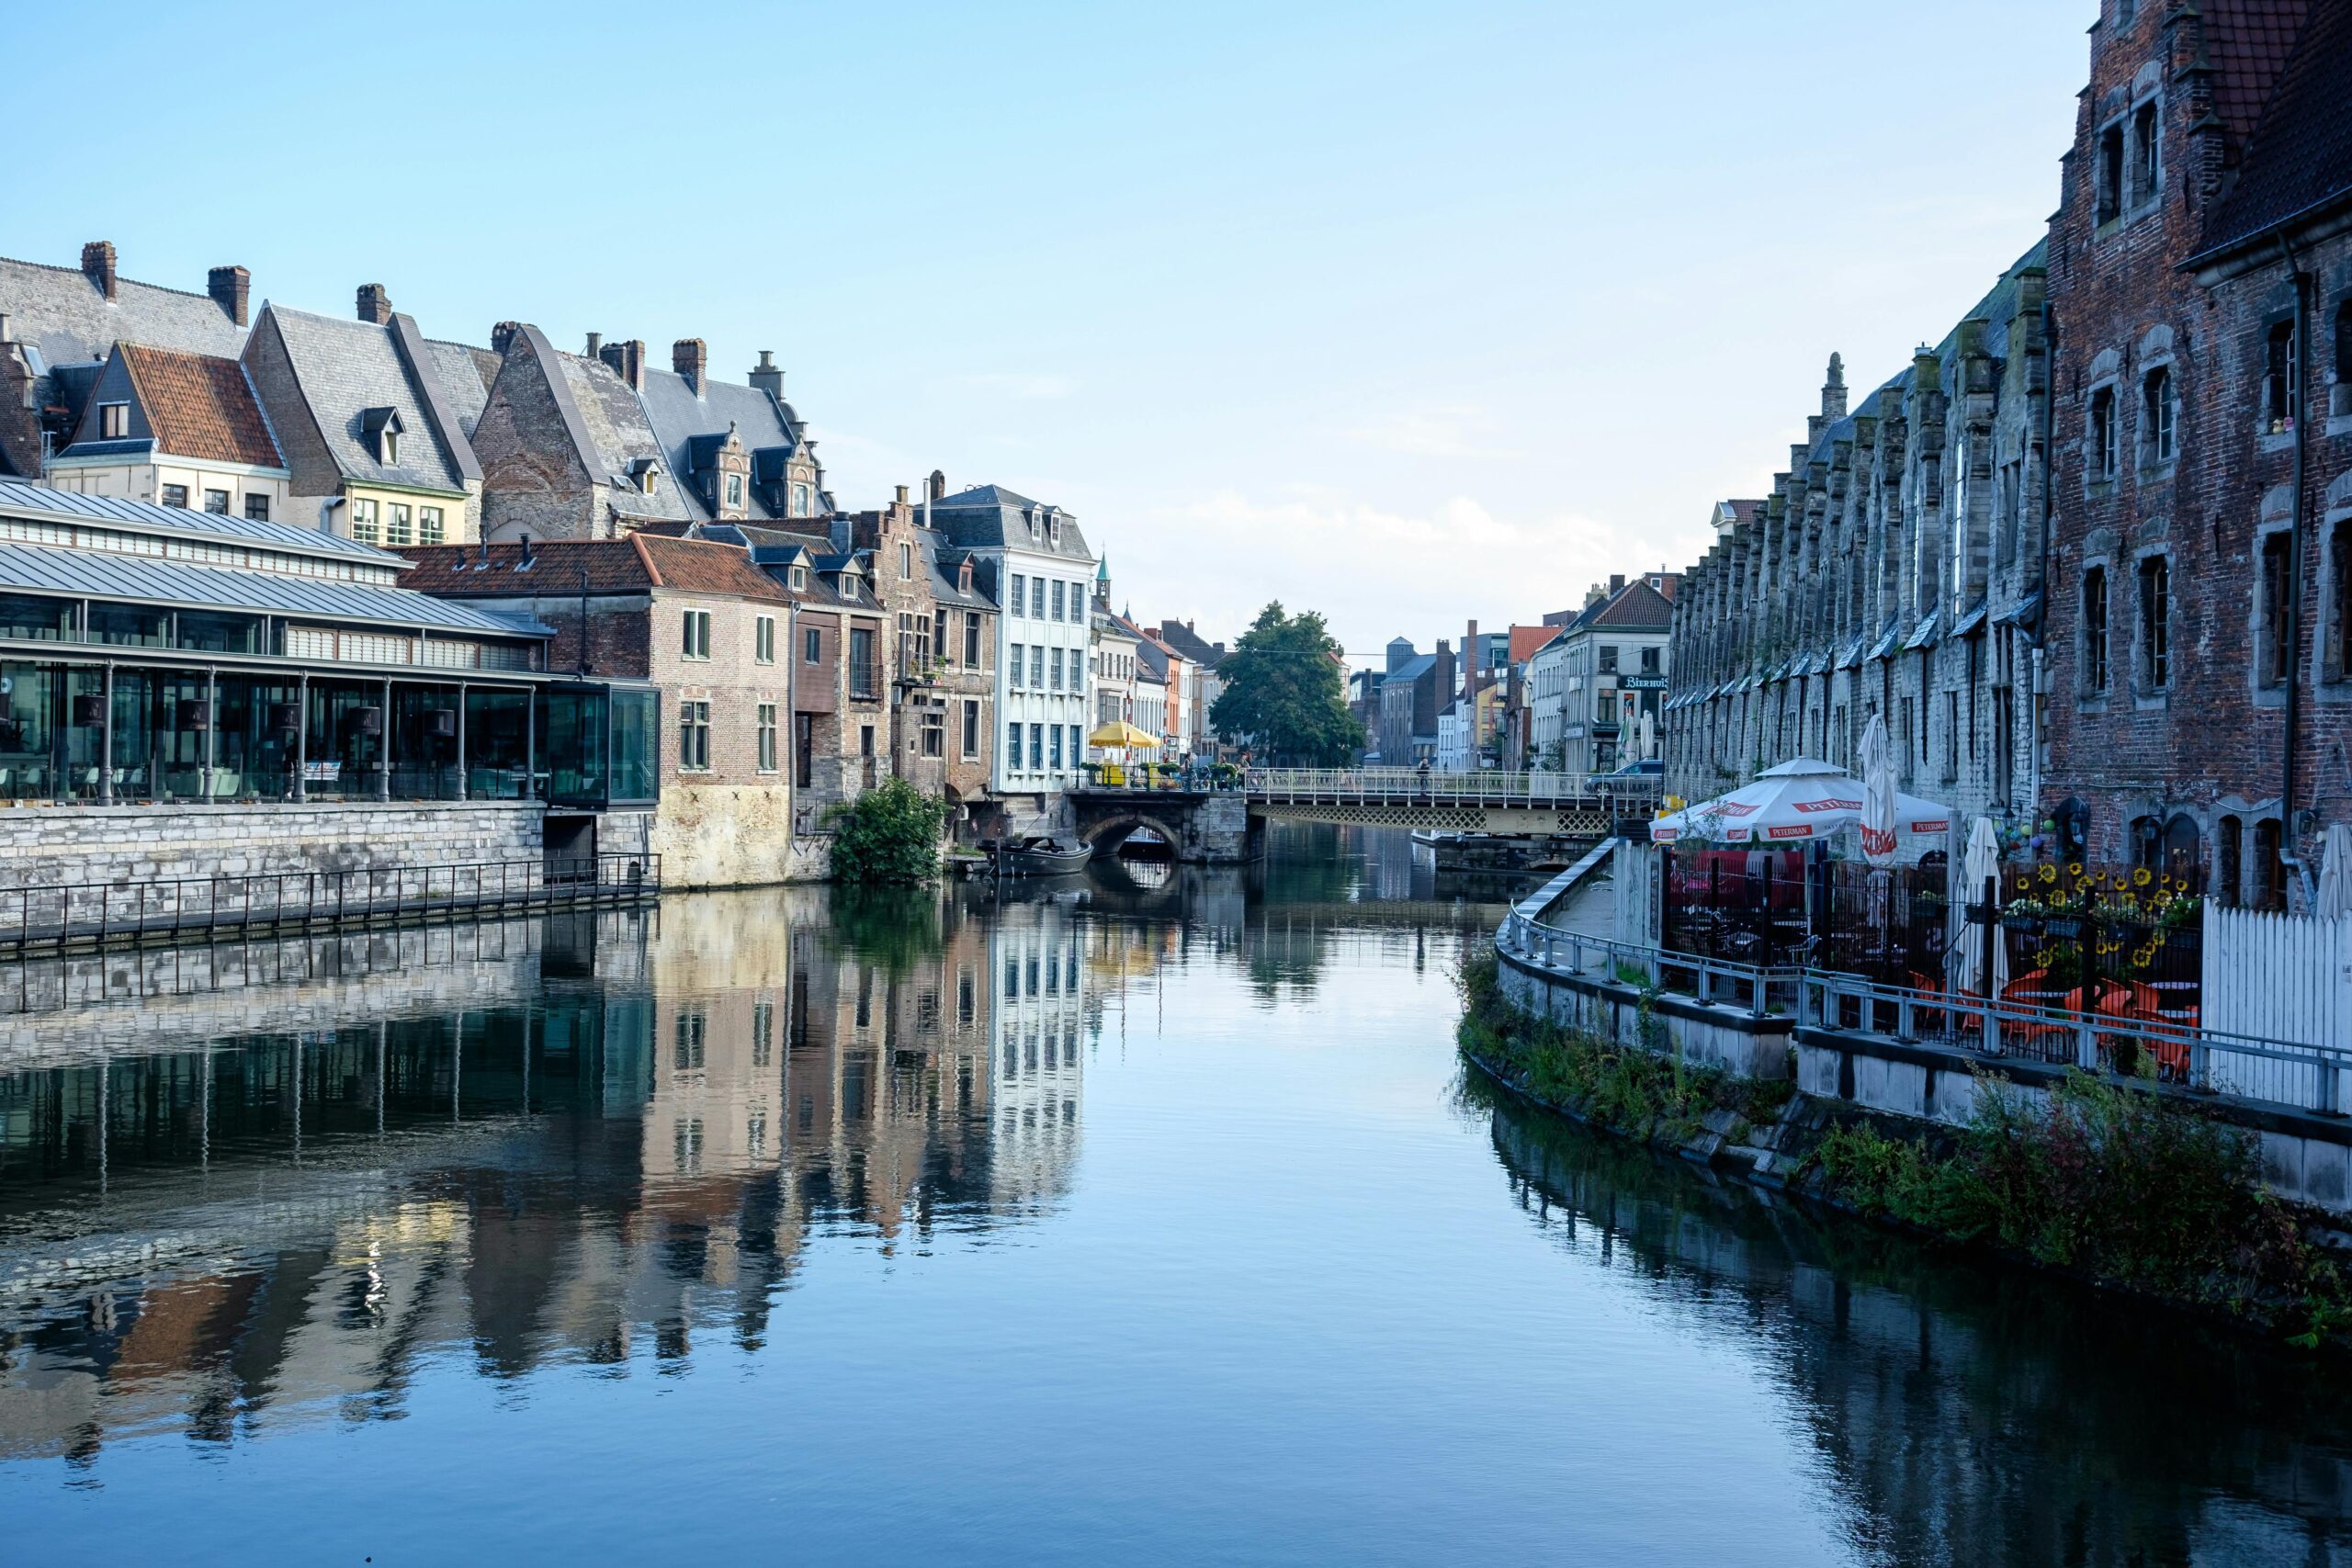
(644, 473)
(734, 490)
(381, 430)
(800, 580)
(800, 500)
(114, 420)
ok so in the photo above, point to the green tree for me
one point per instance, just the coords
(887, 836)
(1285, 693)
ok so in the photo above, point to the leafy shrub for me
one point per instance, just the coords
(888, 835)
(2125, 1186)
(1628, 1089)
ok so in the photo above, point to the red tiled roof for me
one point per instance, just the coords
(633, 565)
(199, 406)
(1637, 607)
(2300, 155)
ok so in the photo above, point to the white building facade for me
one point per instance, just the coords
(1042, 577)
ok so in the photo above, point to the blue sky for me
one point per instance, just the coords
(1407, 313)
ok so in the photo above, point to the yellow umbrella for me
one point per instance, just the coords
(1119, 732)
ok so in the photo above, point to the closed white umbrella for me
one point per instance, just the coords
(1980, 863)
(2334, 901)
(1878, 819)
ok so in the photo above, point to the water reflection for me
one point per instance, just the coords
(1155, 1197)
(1966, 1415)
(575, 1137)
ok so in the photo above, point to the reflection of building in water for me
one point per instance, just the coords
(1967, 1416)
(625, 1149)
(1038, 981)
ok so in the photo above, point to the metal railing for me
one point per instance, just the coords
(81, 915)
(1631, 792)
(1753, 988)
(2179, 1052)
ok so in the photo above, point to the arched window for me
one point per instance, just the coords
(2156, 430)
(2184, 852)
(2147, 838)
(2229, 861)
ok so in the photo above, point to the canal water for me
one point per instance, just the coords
(1142, 1217)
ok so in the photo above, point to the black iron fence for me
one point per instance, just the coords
(102, 914)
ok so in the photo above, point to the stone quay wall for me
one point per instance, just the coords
(123, 845)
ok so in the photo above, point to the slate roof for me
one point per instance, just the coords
(1190, 643)
(2300, 159)
(992, 517)
(943, 564)
(676, 417)
(464, 374)
(199, 406)
(2248, 42)
(619, 436)
(60, 311)
(347, 366)
(633, 565)
(1412, 670)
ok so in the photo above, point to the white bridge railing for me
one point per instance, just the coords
(1629, 792)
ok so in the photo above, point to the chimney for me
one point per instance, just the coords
(903, 495)
(375, 304)
(3, 327)
(628, 360)
(97, 266)
(1444, 670)
(1833, 391)
(938, 485)
(767, 375)
(501, 337)
(595, 349)
(230, 288)
(1616, 584)
(690, 357)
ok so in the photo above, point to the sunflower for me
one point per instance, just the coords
(2049, 872)
(2141, 878)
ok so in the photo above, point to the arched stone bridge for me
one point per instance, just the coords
(1216, 825)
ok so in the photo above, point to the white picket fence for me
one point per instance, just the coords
(2280, 977)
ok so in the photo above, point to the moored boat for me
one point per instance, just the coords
(1042, 857)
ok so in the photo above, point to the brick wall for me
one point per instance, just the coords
(2202, 751)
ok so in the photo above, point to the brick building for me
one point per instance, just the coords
(943, 647)
(593, 445)
(1894, 567)
(712, 631)
(2200, 698)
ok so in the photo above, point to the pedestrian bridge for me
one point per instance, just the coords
(1225, 820)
